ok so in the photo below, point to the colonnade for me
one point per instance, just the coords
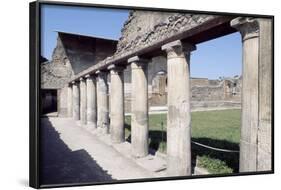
(90, 101)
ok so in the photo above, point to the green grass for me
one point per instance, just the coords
(219, 129)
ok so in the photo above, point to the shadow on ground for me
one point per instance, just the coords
(158, 138)
(231, 159)
(61, 165)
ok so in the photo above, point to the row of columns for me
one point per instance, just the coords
(90, 103)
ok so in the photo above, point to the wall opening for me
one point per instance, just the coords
(49, 101)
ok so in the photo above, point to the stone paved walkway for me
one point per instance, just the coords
(72, 154)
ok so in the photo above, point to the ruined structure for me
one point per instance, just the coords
(72, 54)
(149, 36)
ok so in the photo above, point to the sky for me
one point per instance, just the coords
(221, 57)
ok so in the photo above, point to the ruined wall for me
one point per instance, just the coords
(204, 92)
(72, 54)
(224, 92)
(104, 48)
(85, 51)
(144, 28)
(56, 73)
(80, 51)
(199, 82)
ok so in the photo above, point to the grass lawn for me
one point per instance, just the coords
(220, 129)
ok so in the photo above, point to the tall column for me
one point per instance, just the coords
(76, 101)
(91, 102)
(264, 155)
(102, 102)
(178, 119)
(83, 102)
(139, 119)
(117, 131)
(249, 30)
(69, 101)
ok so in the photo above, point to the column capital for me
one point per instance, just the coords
(101, 72)
(247, 26)
(114, 69)
(178, 48)
(88, 76)
(138, 62)
(137, 59)
(74, 82)
(81, 79)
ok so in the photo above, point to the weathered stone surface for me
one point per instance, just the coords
(102, 102)
(117, 128)
(84, 51)
(139, 119)
(91, 102)
(83, 102)
(63, 102)
(143, 28)
(69, 101)
(56, 73)
(178, 118)
(202, 89)
(138, 39)
(250, 90)
(265, 96)
(73, 54)
(76, 101)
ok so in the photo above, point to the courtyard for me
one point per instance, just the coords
(217, 128)
(103, 88)
(73, 153)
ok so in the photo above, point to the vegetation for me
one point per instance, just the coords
(220, 129)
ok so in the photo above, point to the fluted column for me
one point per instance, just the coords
(139, 119)
(91, 102)
(76, 101)
(83, 102)
(102, 102)
(179, 117)
(117, 131)
(249, 30)
(69, 101)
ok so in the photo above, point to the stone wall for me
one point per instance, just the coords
(62, 102)
(143, 28)
(223, 92)
(56, 73)
(72, 54)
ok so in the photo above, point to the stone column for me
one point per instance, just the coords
(102, 102)
(117, 131)
(249, 30)
(139, 118)
(76, 101)
(69, 101)
(178, 119)
(91, 102)
(83, 102)
(264, 155)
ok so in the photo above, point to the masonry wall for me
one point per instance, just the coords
(62, 102)
(204, 93)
